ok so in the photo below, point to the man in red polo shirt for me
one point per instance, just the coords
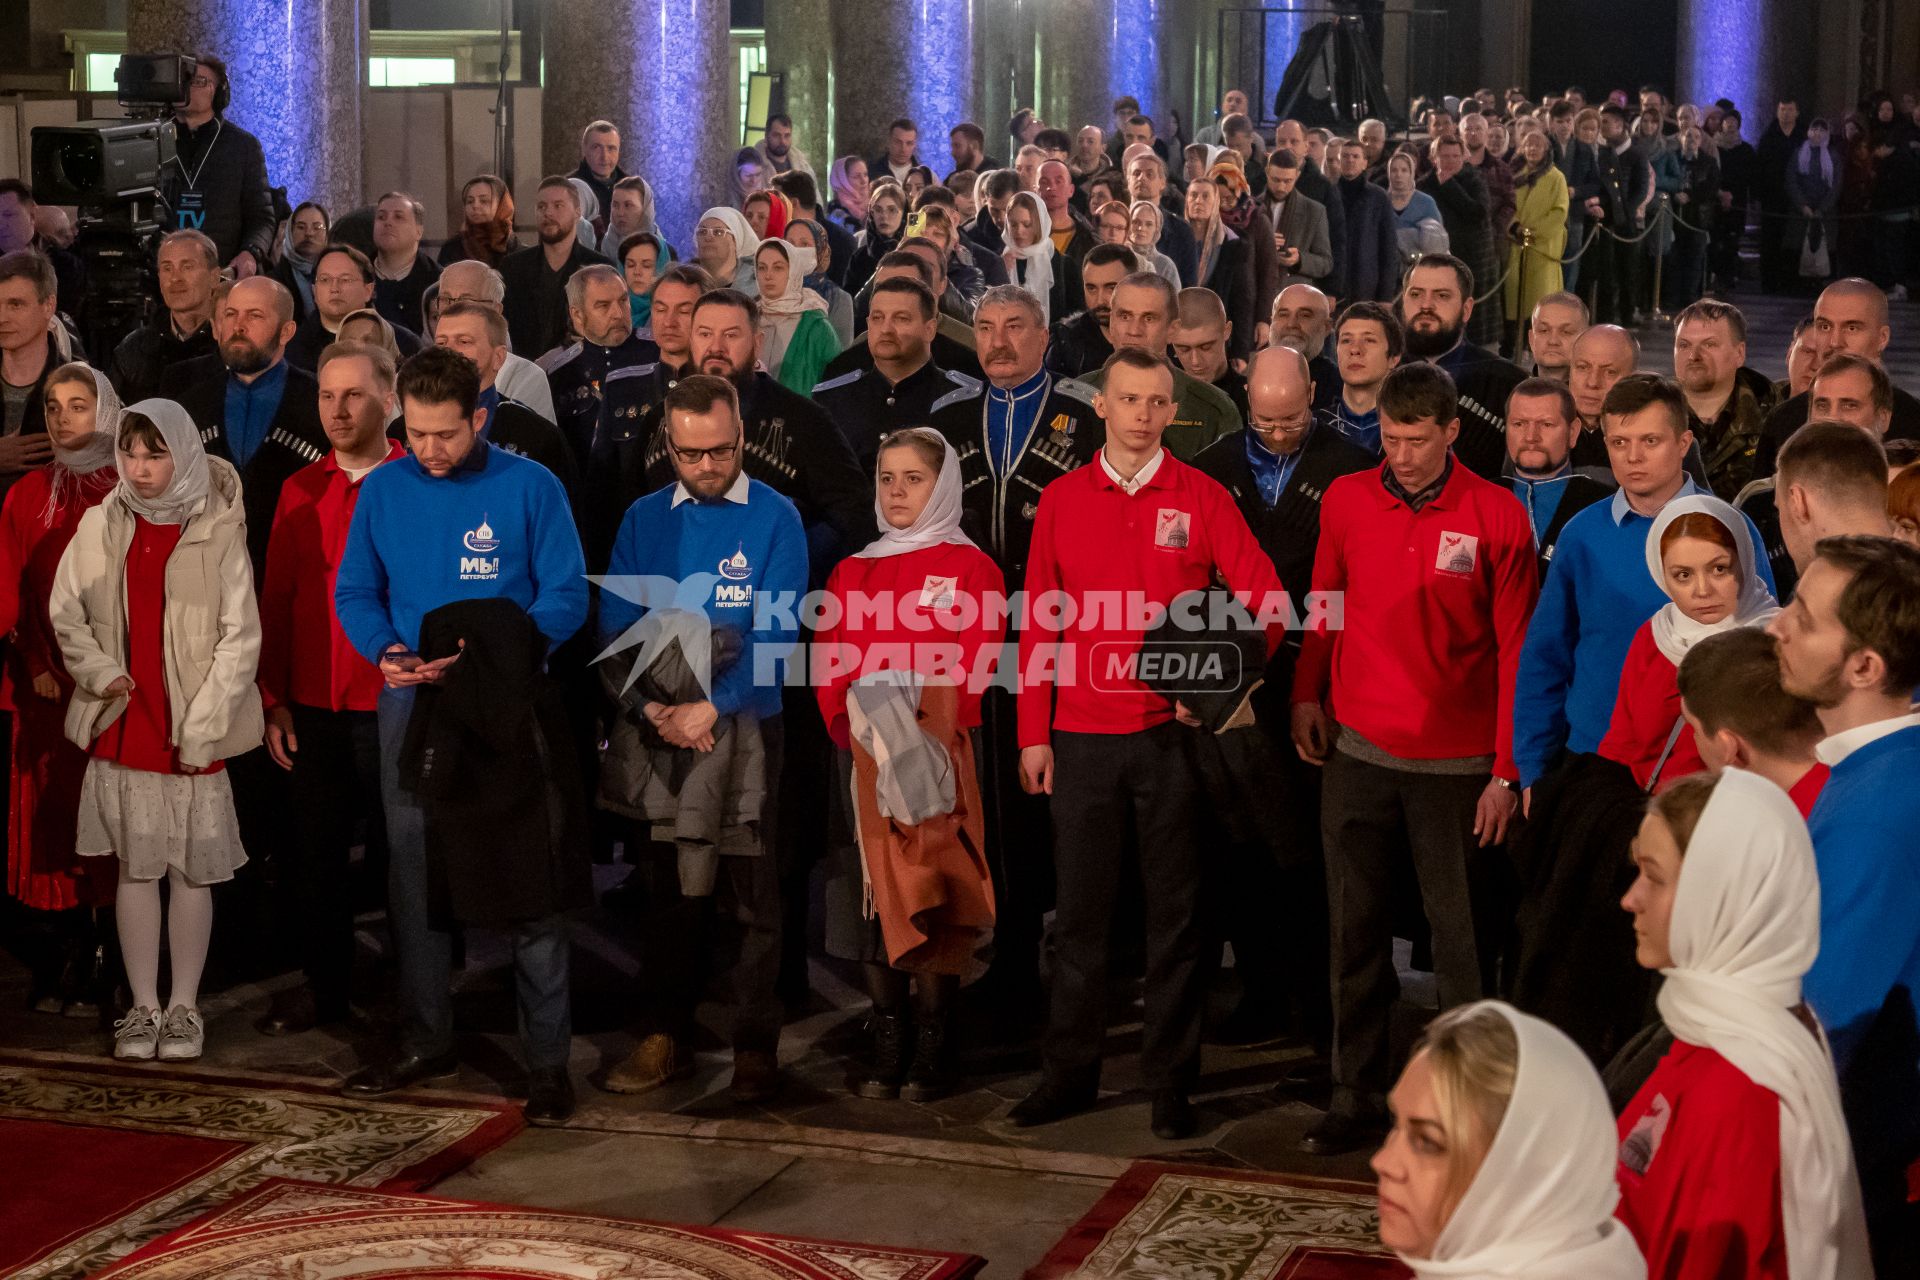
(1409, 708)
(319, 693)
(1134, 527)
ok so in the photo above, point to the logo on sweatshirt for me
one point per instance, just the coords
(480, 540)
(735, 568)
(1458, 553)
(1172, 528)
(480, 567)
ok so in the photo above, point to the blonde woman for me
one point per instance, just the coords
(1538, 236)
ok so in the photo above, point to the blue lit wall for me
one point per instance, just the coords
(1283, 32)
(939, 87)
(1133, 61)
(1724, 48)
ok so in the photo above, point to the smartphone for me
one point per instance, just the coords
(405, 659)
(916, 223)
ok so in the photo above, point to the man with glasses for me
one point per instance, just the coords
(1278, 471)
(739, 554)
(217, 181)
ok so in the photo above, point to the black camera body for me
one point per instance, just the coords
(100, 161)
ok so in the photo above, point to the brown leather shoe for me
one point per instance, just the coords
(756, 1076)
(657, 1060)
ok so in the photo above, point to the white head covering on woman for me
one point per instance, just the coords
(1038, 256)
(780, 316)
(937, 523)
(1673, 631)
(1541, 1206)
(71, 464)
(187, 492)
(745, 243)
(1745, 928)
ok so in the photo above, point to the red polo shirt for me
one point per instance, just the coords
(1436, 603)
(1098, 547)
(304, 656)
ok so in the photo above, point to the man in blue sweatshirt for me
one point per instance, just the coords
(1598, 591)
(1850, 644)
(458, 520)
(720, 543)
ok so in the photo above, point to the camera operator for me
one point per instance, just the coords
(188, 267)
(33, 343)
(217, 182)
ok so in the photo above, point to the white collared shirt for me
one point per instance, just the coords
(736, 493)
(1140, 478)
(1832, 750)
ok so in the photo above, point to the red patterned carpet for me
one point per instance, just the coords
(284, 1228)
(1168, 1220)
(120, 1154)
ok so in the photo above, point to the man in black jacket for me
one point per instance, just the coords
(253, 407)
(1436, 307)
(1458, 189)
(401, 272)
(217, 182)
(188, 269)
(1079, 343)
(600, 162)
(1774, 156)
(1278, 471)
(1849, 318)
(1626, 186)
(537, 276)
(901, 385)
(597, 303)
(342, 284)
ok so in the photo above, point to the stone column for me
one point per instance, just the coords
(1752, 51)
(800, 47)
(297, 72)
(660, 70)
(894, 58)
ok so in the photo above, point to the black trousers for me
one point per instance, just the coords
(1019, 845)
(1369, 815)
(1107, 787)
(730, 938)
(335, 783)
(1612, 275)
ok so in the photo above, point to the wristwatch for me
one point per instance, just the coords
(1503, 782)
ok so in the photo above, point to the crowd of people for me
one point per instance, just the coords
(1086, 565)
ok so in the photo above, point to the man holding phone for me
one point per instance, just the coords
(459, 520)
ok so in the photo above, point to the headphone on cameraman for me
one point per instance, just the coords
(222, 92)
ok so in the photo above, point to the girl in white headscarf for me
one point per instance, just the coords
(910, 900)
(1032, 261)
(1701, 552)
(724, 244)
(1500, 1162)
(799, 339)
(154, 611)
(1734, 1157)
(42, 510)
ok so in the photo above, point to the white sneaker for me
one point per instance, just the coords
(136, 1035)
(182, 1033)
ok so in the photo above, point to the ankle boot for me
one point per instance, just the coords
(888, 1067)
(933, 1075)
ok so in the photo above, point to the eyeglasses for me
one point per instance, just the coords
(203, 82)
(1291, 427)
(719, 453)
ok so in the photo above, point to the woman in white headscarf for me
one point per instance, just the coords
(1734, 1157)
(1500, 1162)
(153, 607)
(1034, 263)
(798, 338)
(910, 896)
(43, 508)
(589, 211)
(1701, 552)
(724, 244)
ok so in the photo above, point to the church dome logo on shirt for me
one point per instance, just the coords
(735, 568)
(480, 539)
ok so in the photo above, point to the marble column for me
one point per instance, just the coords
(297, 72)
(893, 58)
(1753, 51)
(661, 71)
(1093, 51)
(800, 49)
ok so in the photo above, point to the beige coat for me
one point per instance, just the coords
(212, 626)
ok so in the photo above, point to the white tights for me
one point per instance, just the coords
(190, 926)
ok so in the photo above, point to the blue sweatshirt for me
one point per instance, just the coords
(1597, 594)
(1865, 848)
(498, 526)
(741, 559)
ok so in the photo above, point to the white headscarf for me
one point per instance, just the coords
(71, 464)
(745, 243)
(187, 492)
(937, 523)
(1673, 631)
(780, 317)
(1038, 255)
(1745, 928)
(1541, 1206)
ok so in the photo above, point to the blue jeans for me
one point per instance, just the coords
(541, 948)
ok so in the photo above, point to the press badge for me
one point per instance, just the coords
(1171, 529)
(190, 210)
(937, 592)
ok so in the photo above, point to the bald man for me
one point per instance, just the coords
(1302, 319)
(1850, 316)
(1277, 470)
(1199, 337)
(1601, 356)
(253, 408)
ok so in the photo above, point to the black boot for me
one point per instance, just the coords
(932, 1075)
(888, 1069)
